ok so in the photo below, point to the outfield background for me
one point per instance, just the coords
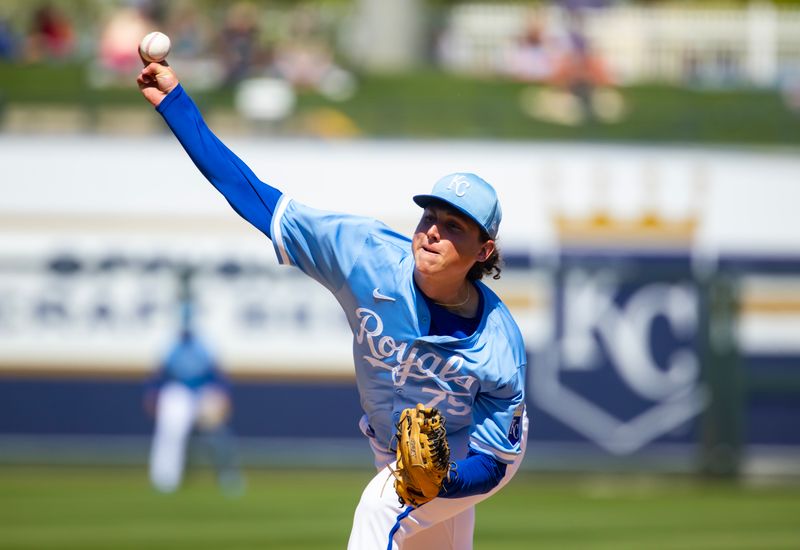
(651, 248)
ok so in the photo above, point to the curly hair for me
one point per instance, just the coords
(487, 267)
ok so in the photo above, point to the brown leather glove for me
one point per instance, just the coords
(423, 455)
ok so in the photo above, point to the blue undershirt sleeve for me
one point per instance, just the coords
(250, 197)
(475, 475)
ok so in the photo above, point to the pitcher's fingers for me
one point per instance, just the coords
(151, 69)
(145, 78)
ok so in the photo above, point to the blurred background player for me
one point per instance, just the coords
(190, 395)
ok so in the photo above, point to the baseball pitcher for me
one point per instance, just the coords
(439, 361)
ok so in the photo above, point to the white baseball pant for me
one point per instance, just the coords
(175, 415)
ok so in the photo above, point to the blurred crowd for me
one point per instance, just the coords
(578, 84)
(224, 43)
(566, 51)
(570, 82)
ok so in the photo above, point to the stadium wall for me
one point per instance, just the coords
(612, 252)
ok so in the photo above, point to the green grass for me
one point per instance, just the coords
(47, 508)
(432, 104)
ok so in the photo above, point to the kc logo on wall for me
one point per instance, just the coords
(622, 368)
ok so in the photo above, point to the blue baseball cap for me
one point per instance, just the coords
(470, 195)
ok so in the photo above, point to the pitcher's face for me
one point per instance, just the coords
(448, 242)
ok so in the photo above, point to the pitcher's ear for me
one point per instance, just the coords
(486, 251)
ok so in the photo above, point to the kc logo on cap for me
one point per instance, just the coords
(459, 185)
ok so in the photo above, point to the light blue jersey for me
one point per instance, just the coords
(476, 382)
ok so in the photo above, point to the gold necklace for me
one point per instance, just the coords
(455, 305)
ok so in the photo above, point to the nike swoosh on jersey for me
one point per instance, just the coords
(376, 293)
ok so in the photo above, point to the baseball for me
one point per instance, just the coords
(155, 47)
